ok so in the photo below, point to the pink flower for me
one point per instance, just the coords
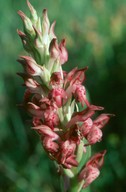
(97, 160)
(57, 95)
(56, 80)
(94, 135)
(32, 84)
(72, 81)
(70, 162)
(83, 115)
(48, 138)
(89, 174)
(69, 76)
(73, 134)
(34, 110)
(45, 103)
(86, 127)
(45, 130)
(102, 120)
(91, 170)
(80, 95)
(49, 109)
(66, 156)
(36, 121)
(49, 145)
(78, 77)
(51, 118)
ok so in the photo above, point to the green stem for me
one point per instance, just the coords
(75, 186)
(71, 184)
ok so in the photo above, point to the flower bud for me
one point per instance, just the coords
(21, 34)
(28, 27)
(63, 52)
(33, 12)
(45, 23)
(30, 66)
(51, 31)
(31, 84)
(24, 40)
(54, 49)
(58, 52)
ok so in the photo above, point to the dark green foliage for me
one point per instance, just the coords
(95, 31)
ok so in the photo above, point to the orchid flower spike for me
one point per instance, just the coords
(52, 99)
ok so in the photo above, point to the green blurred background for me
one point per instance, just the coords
(95, 31)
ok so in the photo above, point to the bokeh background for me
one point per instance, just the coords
(95, 31)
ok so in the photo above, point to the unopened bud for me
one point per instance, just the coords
(28, 27)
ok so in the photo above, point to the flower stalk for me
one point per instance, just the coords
(52, 97)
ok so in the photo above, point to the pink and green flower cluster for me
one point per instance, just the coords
(52, 96)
